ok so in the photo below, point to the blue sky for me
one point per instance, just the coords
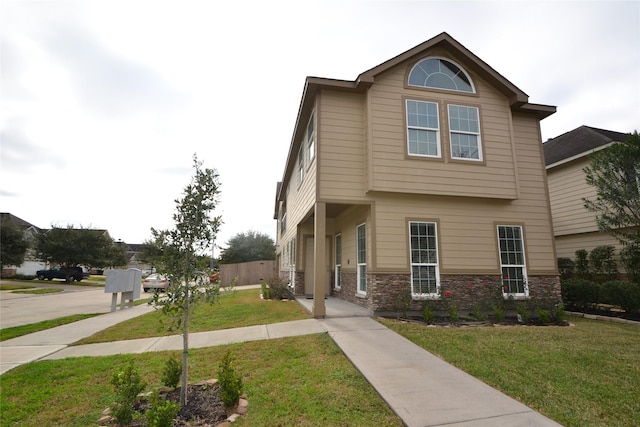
(104, 103)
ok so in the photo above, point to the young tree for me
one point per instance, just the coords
(615, 173)
(181, 248)
(248, 246)
(71, 247)
(13, 246)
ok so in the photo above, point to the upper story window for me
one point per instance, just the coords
(464, 132)
(311, 138)
(300, 165)
(423, 129)
(440, 73)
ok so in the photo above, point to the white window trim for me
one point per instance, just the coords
(516, 295)
(425, 296)
(361, 264)
(300, 165)
(478, 134)
(292, 263)
(337, 284)
(311, 138)
(437, 130)
(464, 71)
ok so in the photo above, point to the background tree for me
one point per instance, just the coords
(182, 249)
(13, 246)
(248, 246)
(72, 247)
(615, 173)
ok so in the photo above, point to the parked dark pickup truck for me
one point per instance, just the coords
(59, 273)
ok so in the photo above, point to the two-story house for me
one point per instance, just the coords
(566, 156)
(424, 175)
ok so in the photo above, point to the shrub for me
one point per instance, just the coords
(477, 313)
(162, 411)
(427, 315)
(582, 264)
(498, 314)
(630, 259)
(603, 266)
(276, 288)
(566, 267)
(523, 311)
(403, 301)
(543, 316)
(230, 381)
(580, 294)
(625, 295)
(171, 373)
(128, 385)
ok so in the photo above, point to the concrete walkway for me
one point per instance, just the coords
(421, 389)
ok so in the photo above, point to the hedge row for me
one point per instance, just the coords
(585, 295)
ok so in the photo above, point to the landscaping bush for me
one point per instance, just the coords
(602, 265)
(582, 264)
(580, 294)
(275, 288)
(128, 385)
(162, 411)
(171, 373)
(625, 295)
(630, 259)
(566, 267)
(230, 381)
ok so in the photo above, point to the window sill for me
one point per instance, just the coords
(361, 295)
(517, 297)
(425, 297)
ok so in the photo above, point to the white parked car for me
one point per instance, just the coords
(156, 282)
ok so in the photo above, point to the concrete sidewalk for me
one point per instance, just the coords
(421, 389)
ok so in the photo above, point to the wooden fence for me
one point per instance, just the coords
(248, 273)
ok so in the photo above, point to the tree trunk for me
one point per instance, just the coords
(185, 346)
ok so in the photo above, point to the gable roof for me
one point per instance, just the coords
(519, 101)
(578, 143)
(19, 222)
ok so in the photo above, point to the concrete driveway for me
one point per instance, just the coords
(18, 309)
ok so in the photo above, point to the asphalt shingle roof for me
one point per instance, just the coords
(578, 141)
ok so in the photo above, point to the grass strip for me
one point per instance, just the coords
(585, 375)
(38, 291)
(303, 381)
(13, 287)
(18, 331)
(234, 310)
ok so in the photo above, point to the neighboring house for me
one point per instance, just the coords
(565, 157)
(31, 264)
(424, 173)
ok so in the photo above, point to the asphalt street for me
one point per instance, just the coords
(18, 309)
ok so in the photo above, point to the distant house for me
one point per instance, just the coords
(31, 263)
(565, 158)
(423, 175)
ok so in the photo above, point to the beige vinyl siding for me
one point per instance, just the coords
(341, 146)
(391, 169)
(467, 226)
(567, 187)
(566, 246)
(345, 224)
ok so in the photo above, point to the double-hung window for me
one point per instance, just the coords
(464, 132)
(338, 251)
(512, 261)
(423, 129)
(300, 165)
(425, 277)
(311, 138)
(361, 248)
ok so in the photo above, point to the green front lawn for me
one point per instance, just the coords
(234, 310)
(582, 375)
(300, 381)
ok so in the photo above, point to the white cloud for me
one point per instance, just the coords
(110, 99)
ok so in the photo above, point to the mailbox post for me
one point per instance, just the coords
(126, 282)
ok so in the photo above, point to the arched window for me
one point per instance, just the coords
(440, 74)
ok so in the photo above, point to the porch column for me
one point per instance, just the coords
(319, 269)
